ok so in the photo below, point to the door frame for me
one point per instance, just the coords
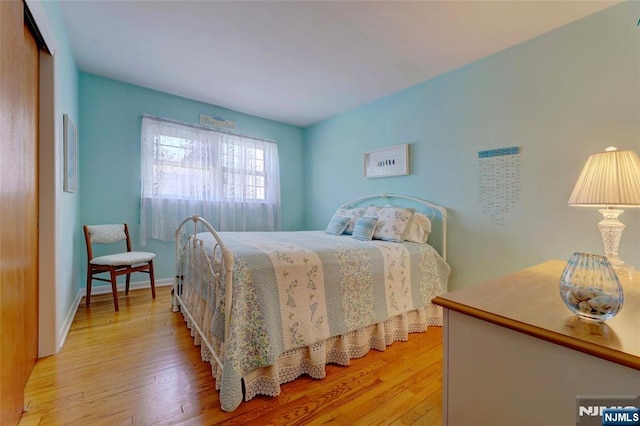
(48, 339)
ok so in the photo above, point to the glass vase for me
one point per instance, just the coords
(590, 287)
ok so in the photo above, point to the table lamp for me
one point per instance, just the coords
(610, 179)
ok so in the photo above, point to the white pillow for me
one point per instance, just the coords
(419, 229)
(352, 214)
(392, 222)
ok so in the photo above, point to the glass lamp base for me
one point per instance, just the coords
(611, 229)
(622, 268)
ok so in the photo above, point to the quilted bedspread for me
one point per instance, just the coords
(294, 289)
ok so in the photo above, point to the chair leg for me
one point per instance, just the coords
(89, 279)
(152, 279)
(114, 289)
(126, 287)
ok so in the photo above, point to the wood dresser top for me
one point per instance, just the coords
(529, 301)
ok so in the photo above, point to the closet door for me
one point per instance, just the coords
(19, 70)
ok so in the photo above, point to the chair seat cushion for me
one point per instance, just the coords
(121, 259)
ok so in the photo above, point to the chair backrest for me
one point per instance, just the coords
(105, 234)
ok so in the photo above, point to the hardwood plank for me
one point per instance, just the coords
(139, 366)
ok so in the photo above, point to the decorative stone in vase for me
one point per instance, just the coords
(591, 288)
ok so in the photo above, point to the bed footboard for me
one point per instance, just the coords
(203, 283)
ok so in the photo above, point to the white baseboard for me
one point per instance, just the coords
(99, 289)
(68, 320)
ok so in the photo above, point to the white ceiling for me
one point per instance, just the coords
(299, 62)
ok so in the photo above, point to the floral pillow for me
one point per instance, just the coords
(352, 214)
(392, 222)
(371, 211)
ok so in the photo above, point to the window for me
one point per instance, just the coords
(232, 181)
(244, 172)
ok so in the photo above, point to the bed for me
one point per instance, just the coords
(268, 307)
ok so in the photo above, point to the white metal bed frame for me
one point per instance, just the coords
(221, 262)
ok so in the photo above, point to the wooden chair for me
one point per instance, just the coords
(115, 264)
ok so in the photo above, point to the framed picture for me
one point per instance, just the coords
(70, 155)
(389, 161)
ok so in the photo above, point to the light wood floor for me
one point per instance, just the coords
(140, 367)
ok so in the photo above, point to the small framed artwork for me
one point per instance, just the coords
(70, 155)
(389, 161)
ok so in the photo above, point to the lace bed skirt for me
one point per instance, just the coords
(339, 350)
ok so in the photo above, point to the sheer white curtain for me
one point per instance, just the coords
(232, 181)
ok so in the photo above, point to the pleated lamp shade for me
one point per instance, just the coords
(610, 178)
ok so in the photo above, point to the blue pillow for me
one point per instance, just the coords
(337, 225)
(365, 226)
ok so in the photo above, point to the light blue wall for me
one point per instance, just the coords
(560, 97)
(110, 156)
(68, 242)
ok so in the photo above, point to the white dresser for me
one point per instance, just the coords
(515, 355)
